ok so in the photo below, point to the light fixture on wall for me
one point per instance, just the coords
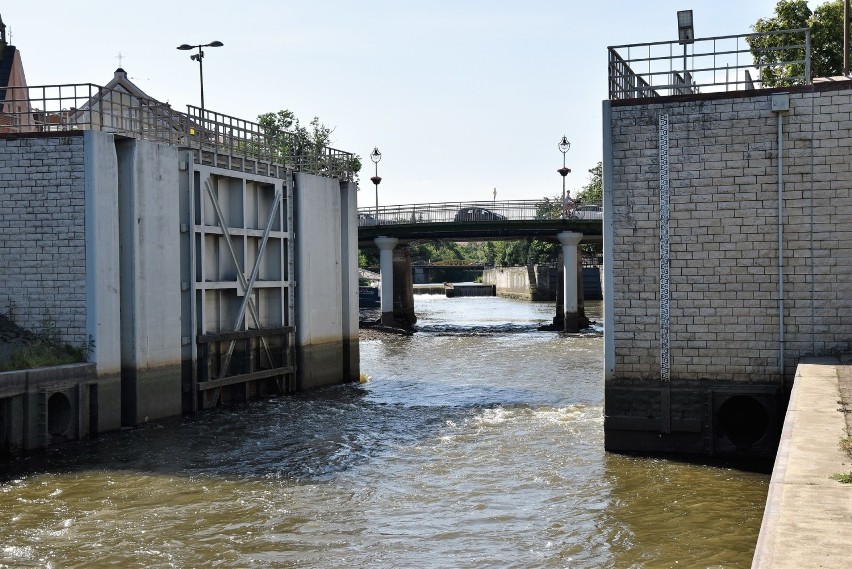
(685, 30)
(685, 36)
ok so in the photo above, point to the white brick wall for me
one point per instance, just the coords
(42, 233)
(724, 256)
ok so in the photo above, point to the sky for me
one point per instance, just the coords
(461, 97)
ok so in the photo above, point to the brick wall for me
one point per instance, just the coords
(723, 152)
(42, 233)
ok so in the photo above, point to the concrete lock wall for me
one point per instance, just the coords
(327, 297)
(90, 245)
(150, 281)
(735, 319)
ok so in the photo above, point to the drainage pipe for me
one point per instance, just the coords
(778, 107)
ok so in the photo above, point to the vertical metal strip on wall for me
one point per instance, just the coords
(665, 362)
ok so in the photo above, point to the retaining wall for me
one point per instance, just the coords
(42, 223)
(719, 328)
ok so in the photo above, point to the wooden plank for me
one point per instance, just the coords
(246, 377)
(243, 334)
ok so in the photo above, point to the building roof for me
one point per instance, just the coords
(120, 82)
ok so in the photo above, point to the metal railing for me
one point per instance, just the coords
(77, 107)
(724, 63)
(226, 135)
(468, 212)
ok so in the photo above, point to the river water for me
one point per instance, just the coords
(477, 442)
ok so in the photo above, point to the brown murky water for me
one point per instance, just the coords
(477, 443)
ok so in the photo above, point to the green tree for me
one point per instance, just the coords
(826, 25)
(305, 147)
(593, 191)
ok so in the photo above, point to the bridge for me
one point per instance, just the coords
(544, 219)
(473, 221)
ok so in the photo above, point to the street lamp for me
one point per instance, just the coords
(564, 146)
(375, 156)
(685, 35)
(198, 57)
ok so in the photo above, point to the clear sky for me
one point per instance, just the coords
(460, 96)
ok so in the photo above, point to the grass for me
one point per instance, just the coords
(846, 445)
(45, 350)
(842, 478)
(39, 353)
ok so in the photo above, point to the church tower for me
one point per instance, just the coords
(2, 33)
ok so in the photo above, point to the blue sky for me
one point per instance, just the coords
(460, 96)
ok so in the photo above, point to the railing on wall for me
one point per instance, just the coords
(724, 63)
(222, 134)
(76, 107)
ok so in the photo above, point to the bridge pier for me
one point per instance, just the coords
(570, 291)
(403, 287)
(386, 245)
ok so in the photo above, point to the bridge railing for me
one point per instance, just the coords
(467, 212)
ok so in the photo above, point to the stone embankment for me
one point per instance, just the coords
(808, 517)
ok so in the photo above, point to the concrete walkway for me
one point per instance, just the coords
(808, 517)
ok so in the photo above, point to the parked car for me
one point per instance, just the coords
(366, 219)
(478, 214)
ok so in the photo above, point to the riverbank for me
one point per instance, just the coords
(808, 515)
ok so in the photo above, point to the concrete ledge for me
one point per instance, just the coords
(13, 383)
(807, 521)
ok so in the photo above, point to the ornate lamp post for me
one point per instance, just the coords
(199, 57)
(564, 146)
(376, 156)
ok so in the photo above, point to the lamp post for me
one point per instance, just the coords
(685, 35)
(564, 146)
(376, 156)
(199, 57)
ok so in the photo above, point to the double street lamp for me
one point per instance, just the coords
(199, 57)
(376, 156)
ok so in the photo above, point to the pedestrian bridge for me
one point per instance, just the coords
(468, 221)
(543, 219)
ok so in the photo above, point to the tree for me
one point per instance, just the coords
(826, 25)
(593, 191)
(306, 147)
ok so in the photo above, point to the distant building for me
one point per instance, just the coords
(14, 104)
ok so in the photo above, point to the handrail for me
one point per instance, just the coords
(721, 63)
(476, 212)
(86, 106)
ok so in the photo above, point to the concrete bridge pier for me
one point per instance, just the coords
(386, 246)
(570, 301)
(403, 287)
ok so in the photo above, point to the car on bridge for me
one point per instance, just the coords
(588, 212)
(478, 214)
(366, 219)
